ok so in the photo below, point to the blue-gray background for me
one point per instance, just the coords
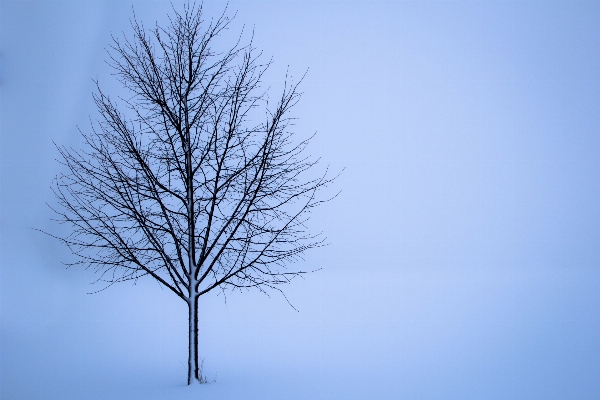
(464, 260)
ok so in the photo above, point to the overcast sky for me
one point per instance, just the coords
(464, 256)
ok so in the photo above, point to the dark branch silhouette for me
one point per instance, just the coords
(194, 179)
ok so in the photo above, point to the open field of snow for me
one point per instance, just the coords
(463, 260)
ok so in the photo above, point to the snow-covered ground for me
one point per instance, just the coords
(464, 259)
(414, 334)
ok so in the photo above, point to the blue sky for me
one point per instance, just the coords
(463, 260)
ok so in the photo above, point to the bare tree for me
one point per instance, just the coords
(194, 179)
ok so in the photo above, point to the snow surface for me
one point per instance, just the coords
(440, 334)
(464, 258)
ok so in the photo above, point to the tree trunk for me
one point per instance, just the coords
(193, 370)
